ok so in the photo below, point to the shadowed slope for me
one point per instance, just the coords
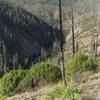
(25, 34)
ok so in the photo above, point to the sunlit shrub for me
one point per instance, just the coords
(64, 94)
(19, 80)
(81, 62)
(42, 71)
(10, 81)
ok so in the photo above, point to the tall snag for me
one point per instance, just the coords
(62, 42)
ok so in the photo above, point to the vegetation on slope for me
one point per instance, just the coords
(64, 94)
(81, 62)
(23, 35)
(20, 80)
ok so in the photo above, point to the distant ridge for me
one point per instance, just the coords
(25, 34)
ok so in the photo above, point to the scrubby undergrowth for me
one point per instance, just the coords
(19, 80)
(64, 94)
(80, 63)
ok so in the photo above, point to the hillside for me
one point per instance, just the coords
(49, 53)
(86, 20)
(24, 34)
(91, 90)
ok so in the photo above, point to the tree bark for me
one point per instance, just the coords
(77, 47)
(96, 45)
(73, 33)
(62, 43)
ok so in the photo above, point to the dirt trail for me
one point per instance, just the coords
(90, 89)
(39, 94)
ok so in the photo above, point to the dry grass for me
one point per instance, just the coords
(39, 94)
(91, 89)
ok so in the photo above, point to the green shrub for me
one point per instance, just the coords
(10, 81)
(64, 94)
(1, 94)
(79, 63)
(40, 72)
(2, 97)
(98, 60)
(19, 80)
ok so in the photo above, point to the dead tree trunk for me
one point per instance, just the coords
(4, 57)
(96, 45)
(62, 43)
(73, 33)
(77, 45)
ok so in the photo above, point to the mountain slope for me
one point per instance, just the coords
(25, 34)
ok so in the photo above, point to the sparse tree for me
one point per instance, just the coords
(77, 44)
(71, 4)
(73, 33)
(4, 57)
(96, 45)
(62, 42)
(43, 54)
